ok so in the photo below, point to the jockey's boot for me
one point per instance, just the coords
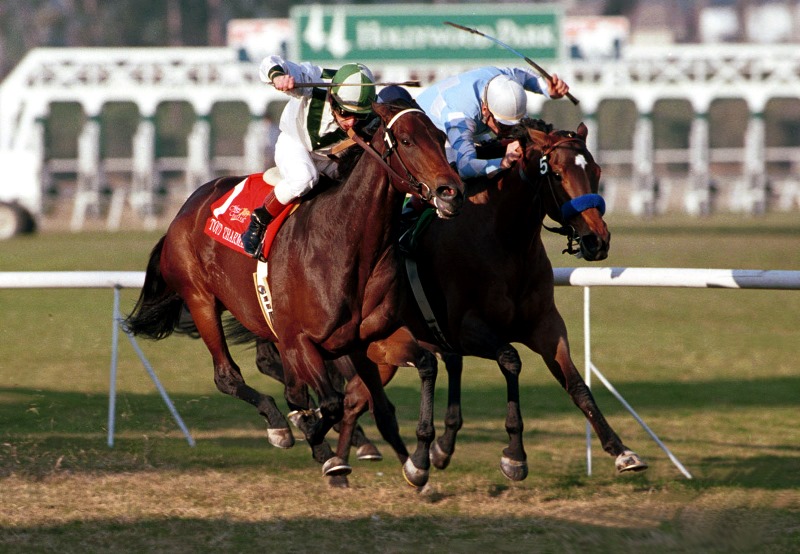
(253, 237)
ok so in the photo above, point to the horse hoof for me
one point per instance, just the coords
(335, 466)
(295, 417)
(281, 437)
(439, 458)
(629, 461)
(338, 482)
(301, 418)
(413, 475)
(513, 469)
(369, 452)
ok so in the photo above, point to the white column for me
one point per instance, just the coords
(645, 187)
(87, 194)
(755, 165)
(698, 198)
(198, 163)
(144, 178)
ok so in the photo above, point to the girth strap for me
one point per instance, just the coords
(424, 305)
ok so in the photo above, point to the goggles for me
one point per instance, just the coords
(336, 108)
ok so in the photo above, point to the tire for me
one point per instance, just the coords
(15, 220)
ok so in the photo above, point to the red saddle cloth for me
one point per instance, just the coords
(230, 215)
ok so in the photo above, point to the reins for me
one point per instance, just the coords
(388, 137)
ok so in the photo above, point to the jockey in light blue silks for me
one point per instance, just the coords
(487, 99)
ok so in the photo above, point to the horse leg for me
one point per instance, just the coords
(552, 344)
(383, 411)
(305, 356)
(303, 414)
(442, 450)
(401, 349)
(514, 463)
(341, 370)
(356, 400)
(228, 376)
(480, 340)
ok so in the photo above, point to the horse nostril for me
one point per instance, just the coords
(446, 193)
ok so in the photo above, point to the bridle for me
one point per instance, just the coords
(570, 208)
(419, 188)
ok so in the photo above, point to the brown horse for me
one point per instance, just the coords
(333, 273)
(489, 283)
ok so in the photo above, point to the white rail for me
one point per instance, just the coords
(677, 277)
(564, 276)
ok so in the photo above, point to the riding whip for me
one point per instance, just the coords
(532, 63)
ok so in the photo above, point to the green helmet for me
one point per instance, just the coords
(354, 99)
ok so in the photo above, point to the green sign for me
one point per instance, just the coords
(408, 33)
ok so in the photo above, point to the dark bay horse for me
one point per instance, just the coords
(489, 283)
(333, 272)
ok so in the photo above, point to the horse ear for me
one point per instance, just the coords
(382, 110)
(539, 137)
(583, 131)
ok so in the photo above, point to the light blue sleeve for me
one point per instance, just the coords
(529, 80)
(461, 136)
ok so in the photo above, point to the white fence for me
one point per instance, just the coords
(585, 277)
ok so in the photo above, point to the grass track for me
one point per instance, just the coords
(712, 372)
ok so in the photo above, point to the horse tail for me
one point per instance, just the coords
(158, 309)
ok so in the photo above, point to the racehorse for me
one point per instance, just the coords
(489, 282)
(332, 268)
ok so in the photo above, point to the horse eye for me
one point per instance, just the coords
(405, 142)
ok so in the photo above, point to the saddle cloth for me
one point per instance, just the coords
(230, 214)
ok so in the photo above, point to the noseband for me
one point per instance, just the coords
(420, 188)
(573, 206)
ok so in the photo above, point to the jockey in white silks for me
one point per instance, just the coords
(314, 121)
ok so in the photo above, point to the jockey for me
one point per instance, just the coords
(314, 121)
(487, 99)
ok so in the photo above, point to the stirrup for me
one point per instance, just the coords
(259, 238)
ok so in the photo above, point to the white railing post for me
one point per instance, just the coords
(587, 361)
(112, 386)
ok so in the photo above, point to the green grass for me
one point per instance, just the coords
(712, 372)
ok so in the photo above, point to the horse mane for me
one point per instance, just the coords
(520, 130)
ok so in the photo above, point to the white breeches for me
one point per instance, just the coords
(300, 169)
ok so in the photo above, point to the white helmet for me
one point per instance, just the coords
(505, 99)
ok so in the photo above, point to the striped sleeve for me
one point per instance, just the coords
(461, 136)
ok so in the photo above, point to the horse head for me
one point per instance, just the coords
(413, 148)
(571, 180)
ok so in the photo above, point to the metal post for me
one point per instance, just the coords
(112, 389)
(587, 361)
(641, 422)
(112, 393)
(590, 367)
